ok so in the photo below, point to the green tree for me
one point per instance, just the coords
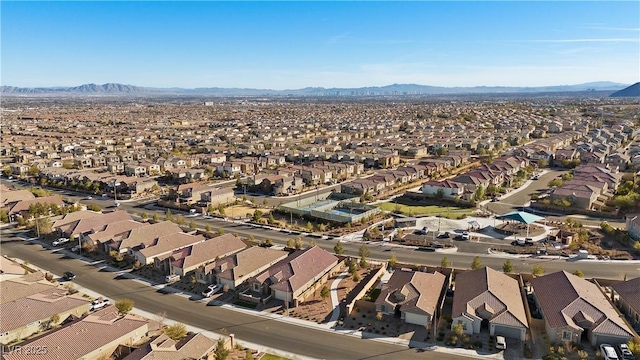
(290, 243)
(192, 224)
(352, 267)
(220, 231)
(248, 355)
(168, 215)
(156, 217)
(94, 207)
(312, 243)
(364, 253)
(338, 249)
(578, 273)
(355, 277)
(257, 215)
(325, 292)
(144, 215)
(537, 270)
(476, 264)
(180, 220)
(507, 267)
(4, 216)
(221, 351)
(457, 330)
(298, 243)
(479, 193)
(124, 306)
(208, 227)
(445, 263)
(176, 331)
(309, 226)
(392, 261)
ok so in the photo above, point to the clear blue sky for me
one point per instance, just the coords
(286, 45)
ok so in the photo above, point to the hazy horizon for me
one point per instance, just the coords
(295, 45)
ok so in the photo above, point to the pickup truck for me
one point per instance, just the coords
(98, 304)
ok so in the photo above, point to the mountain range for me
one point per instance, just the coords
(395, 89)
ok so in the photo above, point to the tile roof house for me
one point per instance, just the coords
(26, 307)
(21, 207)
(95, 336)
(288, 279)
(235, 269)
(414, 295)
(189, 258)
(486, 296)
(571, 305)
(629, 299)
(449, 189)
(162, 247)
(89, 223)
(193, 346)
(134, 239)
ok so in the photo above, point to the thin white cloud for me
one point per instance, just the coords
(612, 28)
(595, 40)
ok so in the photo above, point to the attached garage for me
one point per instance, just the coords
(508, 331)
(417, 319)
(597, 339)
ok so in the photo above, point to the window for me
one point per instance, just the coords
(567, 335)
(256, 287)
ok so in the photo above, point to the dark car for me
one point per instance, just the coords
(68, 275)
(625, 353)
(444, 235)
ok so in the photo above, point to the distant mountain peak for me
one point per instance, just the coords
(630, 91)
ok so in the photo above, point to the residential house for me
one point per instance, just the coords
(193, 346)
(96, 336)
(627, 294)
(21, 207)
(448, 189)
(137, 238)
(88, 223)
(486, 298)
(414, 295)
(289, 279)
(633, 226)
(571, 306)
(187, 259)
(163, 247)
(231, 271)
(219, 196)
(28, 304)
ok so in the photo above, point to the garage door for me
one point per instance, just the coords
(613, 340)
(507, 331)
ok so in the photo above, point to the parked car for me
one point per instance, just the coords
(465, 235)
(98, 304)
(625, 353)
(608, 352)
(444, 235)
(76, 248)
(89, 198)
(117, 204)
(501, 343)
(60, 241)
(172, 278)
(68, 275)
(212, 289)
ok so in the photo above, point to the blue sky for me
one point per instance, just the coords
(287, 45)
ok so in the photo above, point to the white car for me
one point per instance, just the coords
(60, 241)
(608, 352)
(172, 278)
(76, 248)
(212, 289)
(98, 304)
(465, 235)
(501, 343)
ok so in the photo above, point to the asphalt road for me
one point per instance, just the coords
(301, 340)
